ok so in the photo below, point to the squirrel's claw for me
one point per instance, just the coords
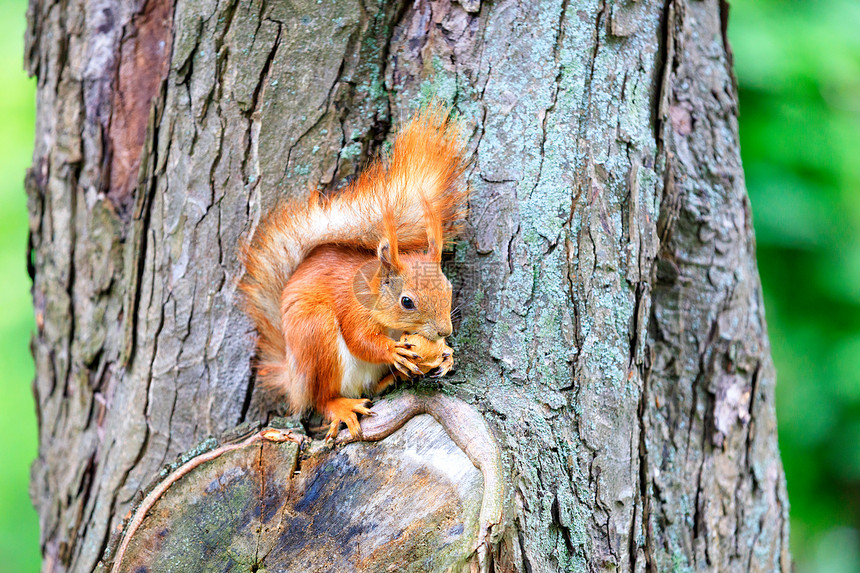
(402, 370)
(404, 365)
(332, 430)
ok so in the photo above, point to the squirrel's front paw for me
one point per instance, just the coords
(406, 360)
(436, 356)
(446, 364)
(344, 410)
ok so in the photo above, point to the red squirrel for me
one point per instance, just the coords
(342, 290)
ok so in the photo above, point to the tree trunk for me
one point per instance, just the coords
(611, 328)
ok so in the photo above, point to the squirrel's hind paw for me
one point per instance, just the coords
(344, 410)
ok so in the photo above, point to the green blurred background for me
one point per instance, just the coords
(19, 527)
(798, 68)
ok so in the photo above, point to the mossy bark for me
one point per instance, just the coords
(610, 328)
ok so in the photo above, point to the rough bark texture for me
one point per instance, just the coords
(610, 326)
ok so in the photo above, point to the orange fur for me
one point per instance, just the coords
(332, 272)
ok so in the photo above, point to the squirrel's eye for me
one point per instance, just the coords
(407, 303)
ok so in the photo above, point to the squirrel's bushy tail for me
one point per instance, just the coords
(423, 173)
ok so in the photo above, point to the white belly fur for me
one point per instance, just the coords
(358, 376)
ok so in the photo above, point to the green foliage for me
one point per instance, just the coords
(19, 530)
(798, 69)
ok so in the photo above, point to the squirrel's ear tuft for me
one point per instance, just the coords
(433, 220)
(383, 251)
(387, 251)
(433, 248)
(388, 256)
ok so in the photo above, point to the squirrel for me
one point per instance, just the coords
(345, 289)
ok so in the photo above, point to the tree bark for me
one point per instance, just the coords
(611, 328)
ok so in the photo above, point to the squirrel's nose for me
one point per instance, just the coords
(445, 331)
